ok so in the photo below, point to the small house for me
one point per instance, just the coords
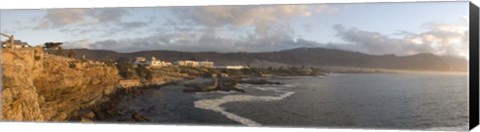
(158, 63)
(16, 44)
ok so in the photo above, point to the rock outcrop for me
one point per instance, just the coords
(20, 100)
(43, 87)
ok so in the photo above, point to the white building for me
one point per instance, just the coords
(206, 63)
(188, 63)
(16, 43)
(154, 62)
(191, 63)
(141, 61)
(158, 63)
(236, 67)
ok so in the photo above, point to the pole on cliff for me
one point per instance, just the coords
(11, 37)
(12, 42)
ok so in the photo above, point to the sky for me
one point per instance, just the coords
(373, 28)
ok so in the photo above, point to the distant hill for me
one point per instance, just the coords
(300, 57)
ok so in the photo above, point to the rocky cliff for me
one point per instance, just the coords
(43, 87)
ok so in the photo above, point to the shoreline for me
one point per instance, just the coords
(109, 109)
(177, 107)
(120, 108)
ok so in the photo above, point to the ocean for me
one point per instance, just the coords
(372, 101)
(378, 101)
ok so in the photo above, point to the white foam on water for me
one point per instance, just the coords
(226, 92)
(267, 89)
(288, 85)
(215, 104)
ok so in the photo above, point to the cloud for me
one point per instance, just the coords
(108, 14)
(62, 17)
(94, 22)
(59, 18)
(366, 41)
(439, 38)
(209, 28)
(307, 27)
(225, 29)
(195, 43)
(262, 18)
(84, 43)
(136, 24)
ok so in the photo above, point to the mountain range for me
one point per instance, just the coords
(299, 57)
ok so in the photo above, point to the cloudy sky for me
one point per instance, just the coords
(373, 28)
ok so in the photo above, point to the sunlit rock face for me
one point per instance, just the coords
(43, 87)
(20, 100)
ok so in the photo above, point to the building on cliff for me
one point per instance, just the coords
(188, 63)
(140, 61)
(206, 63)
(154, 62)
(16, 44)
(191, 63)
(158, 63)
(236, 67)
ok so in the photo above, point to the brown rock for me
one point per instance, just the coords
(39, 87)
(86, 120)
(90, 115)
(139, 117)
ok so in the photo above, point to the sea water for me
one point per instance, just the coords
(383, 101)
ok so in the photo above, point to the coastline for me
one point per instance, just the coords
(165, 104)
(132, 104)
(168, 104)
(113, 107)
(165, 101)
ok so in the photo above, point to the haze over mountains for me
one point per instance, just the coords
(299, 57)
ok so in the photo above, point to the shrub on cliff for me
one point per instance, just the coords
(109, 63)
(71, 53)
(126, 70)
(143, 72)
(59, 51)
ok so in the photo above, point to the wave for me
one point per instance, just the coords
(215, 104)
